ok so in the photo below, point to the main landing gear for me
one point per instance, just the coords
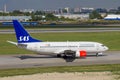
(68, 55)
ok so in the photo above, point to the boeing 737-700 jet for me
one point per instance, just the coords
(67, 50)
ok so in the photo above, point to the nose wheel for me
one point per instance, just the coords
(99, 54)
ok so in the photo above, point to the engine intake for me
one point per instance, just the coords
(81, 53)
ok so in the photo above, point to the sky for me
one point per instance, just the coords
(56, 4)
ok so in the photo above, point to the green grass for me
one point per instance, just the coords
(62, 26)
(110, 39)
(114, 68)
(53, 26)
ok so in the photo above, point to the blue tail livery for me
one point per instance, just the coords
(21, 34)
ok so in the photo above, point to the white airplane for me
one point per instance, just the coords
(67, 50)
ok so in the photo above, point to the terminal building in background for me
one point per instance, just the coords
(7, 20)
(10, 18)
(74, 16)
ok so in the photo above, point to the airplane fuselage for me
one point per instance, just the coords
(60, 47)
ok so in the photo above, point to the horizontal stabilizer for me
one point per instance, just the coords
(12, 42)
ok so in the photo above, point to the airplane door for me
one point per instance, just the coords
(97, 47)
(36, 47)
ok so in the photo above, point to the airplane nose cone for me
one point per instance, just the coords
(106, 48)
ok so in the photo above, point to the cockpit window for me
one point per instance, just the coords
(102, 45)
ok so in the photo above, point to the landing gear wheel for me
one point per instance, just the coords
(97, 54)
(58, 55)
(69, 56)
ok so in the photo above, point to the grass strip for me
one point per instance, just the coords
(110, 39)
(114, 68)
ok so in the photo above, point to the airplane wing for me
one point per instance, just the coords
(60, 51)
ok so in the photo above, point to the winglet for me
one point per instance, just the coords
(21, 34)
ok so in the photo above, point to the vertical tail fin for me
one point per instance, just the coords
(21, 34)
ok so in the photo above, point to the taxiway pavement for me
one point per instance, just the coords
(6, 31)
(34, 60)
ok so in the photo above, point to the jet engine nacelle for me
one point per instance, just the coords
(81, 53)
